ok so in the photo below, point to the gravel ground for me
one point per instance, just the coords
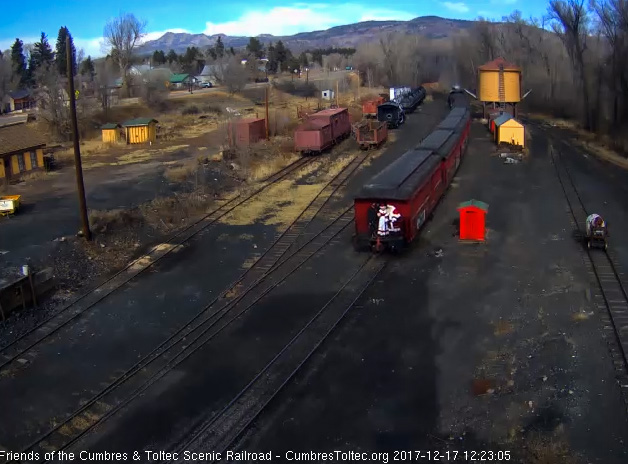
(468, 347)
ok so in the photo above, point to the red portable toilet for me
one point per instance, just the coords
(473, 220)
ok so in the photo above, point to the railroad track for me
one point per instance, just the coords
(219, 432)
(605, 270)
(84, 302)
(266, 273)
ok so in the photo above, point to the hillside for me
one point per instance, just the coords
(339, 36)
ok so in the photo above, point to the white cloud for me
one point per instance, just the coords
(301, 17)
(456, 7)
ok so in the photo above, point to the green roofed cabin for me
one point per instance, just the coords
(110, 132)
(140, 130)
(182, 80)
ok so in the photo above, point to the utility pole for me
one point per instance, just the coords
(337, 105)
(77, 150)
(267, 120)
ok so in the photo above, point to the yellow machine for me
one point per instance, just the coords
(9, 204)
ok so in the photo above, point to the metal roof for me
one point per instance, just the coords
(19, 94)
(110, 125)
(476, 203)
(435, 140)
(19, 137)
(178, 78)
(502, 119)
(494, 65)
(402, 178)
(328, 112)
(138, 122)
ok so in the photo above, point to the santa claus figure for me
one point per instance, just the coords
(388, 216)
(393, 215)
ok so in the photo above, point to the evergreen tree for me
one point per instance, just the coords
(42, 55)
(61, 56)
(220, 48)
(211, 53)
(159, 57)
(232, 51)
(87, 67)
(255, 48)
(172, 56)
(271, 66)
(303, 61)
(18, 61)
(282, 55)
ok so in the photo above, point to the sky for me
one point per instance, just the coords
(86, 18)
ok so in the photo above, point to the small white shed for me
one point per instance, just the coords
(328, 94)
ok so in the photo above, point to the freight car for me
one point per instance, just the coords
(393, 206)
(322, 130)
(414, 98)
(457, 98)
(371, 133)
(391, 113)
(369, 107)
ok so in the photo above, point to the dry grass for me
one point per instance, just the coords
(169, 213)
(180, 173)
(264, 207)
(35, 175)
(103, 220)
(552, 450)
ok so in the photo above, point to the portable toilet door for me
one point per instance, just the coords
(473, 220)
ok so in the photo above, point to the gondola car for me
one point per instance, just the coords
(393, 206)
(412, 99)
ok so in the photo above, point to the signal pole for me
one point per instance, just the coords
(87, 233)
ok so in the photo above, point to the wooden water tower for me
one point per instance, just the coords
(499, 83)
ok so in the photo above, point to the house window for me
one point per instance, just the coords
(33, 159)
(20, 162)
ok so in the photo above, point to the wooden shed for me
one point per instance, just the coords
(245, 132)
(473, 220)
(111, 133)
(140, 130)
(509, 130)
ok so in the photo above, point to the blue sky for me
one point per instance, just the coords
(86, 18)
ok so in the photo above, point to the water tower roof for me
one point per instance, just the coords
(494, 65)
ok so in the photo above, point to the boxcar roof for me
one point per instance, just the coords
(435, 140)
(328, 112)
(450, 122)
(401, 178)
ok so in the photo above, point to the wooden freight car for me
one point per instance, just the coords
(369, 107)
(313, 137)
(322, 130)
(371, 134)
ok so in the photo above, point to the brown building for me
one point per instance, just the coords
(21, 150)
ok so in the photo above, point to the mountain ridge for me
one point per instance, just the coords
(348, 35)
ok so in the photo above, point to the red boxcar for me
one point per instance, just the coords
(313, 136)
(371, 133)
(369, 107)
(338, 119)
(245, 132)
(393, 206)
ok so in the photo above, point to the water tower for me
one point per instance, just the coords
(499, 84)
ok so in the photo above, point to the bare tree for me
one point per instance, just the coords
(122, 35)
(571, 18)
(235, 76)
(153, 90)
(52, 101)
(6, 79)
